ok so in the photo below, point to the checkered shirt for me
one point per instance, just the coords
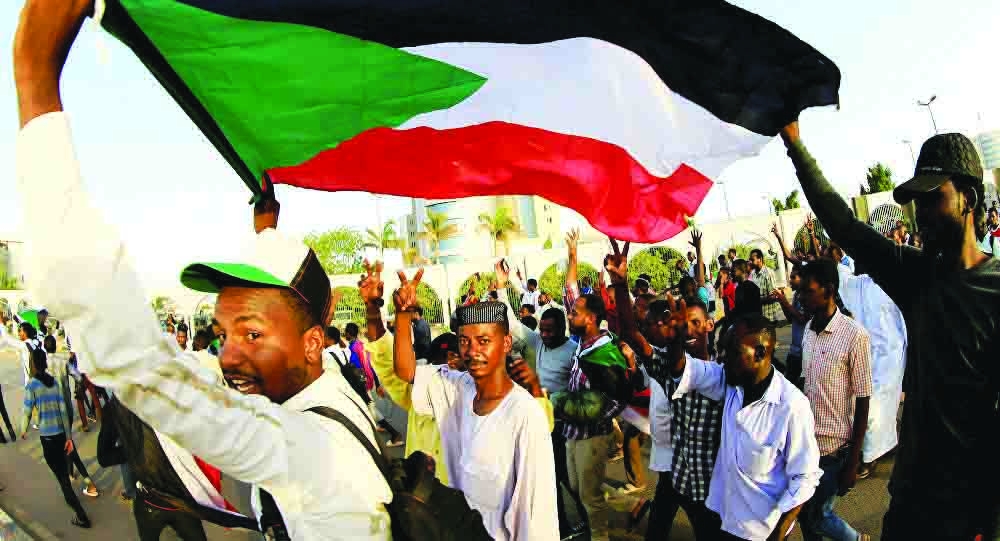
(696, 429)
(838, 369)
(764, 278)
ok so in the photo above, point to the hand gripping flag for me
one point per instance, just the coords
(622, 111)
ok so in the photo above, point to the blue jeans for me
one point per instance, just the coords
(128, 481)
(817, 518)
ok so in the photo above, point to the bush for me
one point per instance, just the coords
(553, 279)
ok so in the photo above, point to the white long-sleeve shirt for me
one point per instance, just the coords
(502, 461)
(322, 479)
(768, 461)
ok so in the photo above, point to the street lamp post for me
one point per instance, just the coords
(927, 104)
(913, 157)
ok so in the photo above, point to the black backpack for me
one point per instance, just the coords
(422, 508)
(355, 377)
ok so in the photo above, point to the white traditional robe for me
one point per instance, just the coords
(884, 322)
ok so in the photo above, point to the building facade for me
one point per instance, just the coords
(537, 220)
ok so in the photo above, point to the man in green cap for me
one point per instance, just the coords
(272, 308)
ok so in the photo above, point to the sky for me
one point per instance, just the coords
(176, 200)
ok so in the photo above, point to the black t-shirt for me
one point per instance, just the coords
(949, 443)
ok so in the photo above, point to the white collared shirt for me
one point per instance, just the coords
(322, 479)
(661, 456)
(768, 461)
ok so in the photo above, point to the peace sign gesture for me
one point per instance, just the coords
(617, 263)
(371, 286)
(677, 325)
(405, 298)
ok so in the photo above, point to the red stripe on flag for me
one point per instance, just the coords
(601, 181)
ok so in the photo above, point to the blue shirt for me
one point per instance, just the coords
(51, 408)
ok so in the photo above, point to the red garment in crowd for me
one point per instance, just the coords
(729, 295)
(215, 477)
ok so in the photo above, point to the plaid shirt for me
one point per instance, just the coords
(696, 430)
(764, 278)
(578, 381)
(838, 369)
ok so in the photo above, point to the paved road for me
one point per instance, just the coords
(33, 498)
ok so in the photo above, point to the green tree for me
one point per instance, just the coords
(338, 250)
(651, 262)
(389, 239)
(879, 178)
(163, 305)
(791, 202)
(437, 229)
(500, 225)
(553, 279)
(350, 307)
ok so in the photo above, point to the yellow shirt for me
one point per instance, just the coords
(422, 432)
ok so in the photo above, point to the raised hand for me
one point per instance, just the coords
(774, 230)
(696, 239)
(810, 223)
(572, 240)
(371, 286)
(678, 324)
(617, 263)
(503, 273)
(405, 298)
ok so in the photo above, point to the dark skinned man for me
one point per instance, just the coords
(495, 436)
(768, 461)
(271, 307)
(836, 354)
(695, 420)
(946, 473)
(598, 390)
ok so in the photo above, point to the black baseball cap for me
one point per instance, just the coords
(947, 156)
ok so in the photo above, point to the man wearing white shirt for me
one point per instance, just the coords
(768, 462)
(530, 294)
(270, 306)
(549, 352)
(7, 342)
(495, 436)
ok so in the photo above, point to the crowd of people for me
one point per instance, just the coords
(512, 418)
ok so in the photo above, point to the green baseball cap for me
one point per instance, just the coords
(271, 260)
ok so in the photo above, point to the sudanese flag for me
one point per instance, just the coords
(622, 111)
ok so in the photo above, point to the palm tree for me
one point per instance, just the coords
(388, 240)
(436, 229)
(500, 225)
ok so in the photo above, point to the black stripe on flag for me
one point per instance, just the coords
(742, 67)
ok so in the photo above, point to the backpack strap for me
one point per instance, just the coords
(376, 455)
(272, 524)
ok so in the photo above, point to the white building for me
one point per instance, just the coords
(537, 218)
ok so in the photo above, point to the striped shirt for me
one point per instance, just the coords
(764, 278)
(838, 369)
(696, 426)
(51, 408)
